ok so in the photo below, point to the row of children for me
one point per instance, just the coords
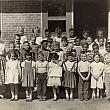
(56, 62)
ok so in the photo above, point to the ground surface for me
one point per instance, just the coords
(61, 104)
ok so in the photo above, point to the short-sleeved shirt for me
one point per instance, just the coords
(41, 67)
(83, 66)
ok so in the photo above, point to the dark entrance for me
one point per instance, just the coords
(90, 14)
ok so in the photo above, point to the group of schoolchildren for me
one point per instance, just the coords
(54, 62)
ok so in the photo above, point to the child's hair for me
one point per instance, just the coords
(44, 41)
(97, 54)
(107, 43)
(18, 35)
(50, 40)
(25, 42)
(47, 30)
(71, 29)
(38, 29)
(40, 53)
(55, 56)
(85, 43)
(64, 38)
(12, 42)
(28, 54)
(71, 54)
(95, 44)
(15, 53)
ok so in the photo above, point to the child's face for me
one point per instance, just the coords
(108, 48)
(83, 57)
(40, 57)
(26, 46)
(71, 33)
(70, 58)
(12, 46)
(47, 34)
(13, 56)
(64, 43)
(21, 32)
(77, 42)
(85, 34)
(85, 47)
(56, 47)
(17, 46)
(96, 58)
(107, 59)
(33, 40)
(44, 45)
(101, 42)
(17, 38)
(100, 33)
(95, 49)
(89, 40)
(28, 57)
(70, 47)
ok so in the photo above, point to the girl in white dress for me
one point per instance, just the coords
(13, 73)
(96, 76)
(54, 74)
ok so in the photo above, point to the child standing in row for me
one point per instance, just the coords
(13, 74)
(69, 75)
(84, 75)
(28, 75)
(96, 76)
(107, 75)
(41, 75)
(54, 74)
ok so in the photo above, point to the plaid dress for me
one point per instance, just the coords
(69, 76)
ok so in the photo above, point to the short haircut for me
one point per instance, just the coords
(44, 41)
(95, 44)
(17, 35)
(36, 28)
(107, 43)
(71, 54)
(28, 54)
(64, 38)
(71, 29)
(40, 53)
(85, 43)
(55, 56)
(47, 30)
(25, 42)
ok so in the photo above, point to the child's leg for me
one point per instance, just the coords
(71, 93)
(86, 90)
(27, 93)
(55, 93)
(67, 93)
(30, 93)
(1, 91)
(12, 91)
(16, 91)
(93, 93)
(98, 90)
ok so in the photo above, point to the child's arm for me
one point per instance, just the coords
(88, 74)
(34, 70)
(80, 73)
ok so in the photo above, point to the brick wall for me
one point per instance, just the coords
(10, 22)
(19, 12)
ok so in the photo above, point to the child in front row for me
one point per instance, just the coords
(12, 76)
(84, 75)
(28, 75)
(69, 75)
(96, 76)
(54, 74)
(106, 74)
(41, 75)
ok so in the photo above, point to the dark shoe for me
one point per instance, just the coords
(71, 99)
(81, 99)
(16, 99)
(27, 100)
(86, 99)
(41, 99)
(30, 100)
(108, 100)
(12, 99)
(44, 98)
(55, 99)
